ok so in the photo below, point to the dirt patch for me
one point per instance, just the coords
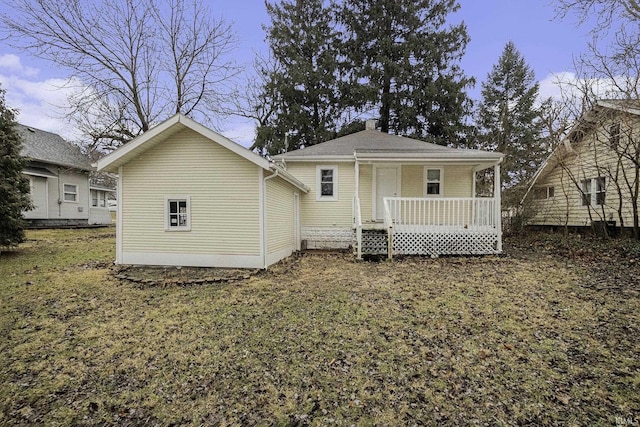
(145, 276)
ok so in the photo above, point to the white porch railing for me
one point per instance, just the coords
(436, 226)
(440, 214)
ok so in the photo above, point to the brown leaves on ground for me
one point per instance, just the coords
(546, 335)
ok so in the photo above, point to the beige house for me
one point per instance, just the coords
(189, 196)
(592, 176)
(387, 194)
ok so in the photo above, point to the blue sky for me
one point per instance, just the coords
(548, 44)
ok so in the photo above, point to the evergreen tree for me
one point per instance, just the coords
(302, 88)
(14, 187)
(509, 120)
(401, 59)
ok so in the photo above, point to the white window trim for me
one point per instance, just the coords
(425, 182)
(319, 196)
(64, 193)
(593, 199)
(167, 227)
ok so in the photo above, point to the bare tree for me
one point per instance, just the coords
(135, 61)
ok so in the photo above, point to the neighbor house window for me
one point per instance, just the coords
(327, 183)
(600, 190)
(433, 185)
(614, 135)
(70, 193)
(178, 216)
(593, 191)
(98, 198)
(544, 192)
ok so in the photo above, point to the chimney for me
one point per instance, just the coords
(370, 125)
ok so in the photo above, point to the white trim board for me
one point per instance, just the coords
(192, 260)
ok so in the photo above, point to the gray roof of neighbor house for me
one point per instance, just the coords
(51, 148)
(374, 143)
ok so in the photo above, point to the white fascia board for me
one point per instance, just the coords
(440, 157)
(290, 179)
(425, 160)
(112, 161)
(341, 159)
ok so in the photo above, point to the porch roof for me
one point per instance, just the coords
(375, 145)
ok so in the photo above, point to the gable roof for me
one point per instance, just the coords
(372, 144)
(172, 126)
(48, 147)
(567, 148)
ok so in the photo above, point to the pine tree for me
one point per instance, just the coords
(14, 187)
(509, 120)
(303, 86)
(400, 58)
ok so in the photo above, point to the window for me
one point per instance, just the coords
(178, 216)
(327, 183)
(70, 193)
(433, 184)
(600, 190)
(544, 192)
(593, 191)
(614, 135)
(98, 198)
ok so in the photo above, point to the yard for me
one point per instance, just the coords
(547, 335)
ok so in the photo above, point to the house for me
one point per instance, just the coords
(189, 196)
(592, 176)
(59, 181)
(397, 195)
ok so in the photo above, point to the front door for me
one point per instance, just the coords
(386, 186)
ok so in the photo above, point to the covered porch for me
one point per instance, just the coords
(447, 220)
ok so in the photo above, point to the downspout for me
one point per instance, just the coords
(264, 216)
(59, 194)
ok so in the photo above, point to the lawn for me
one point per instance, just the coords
(548, 334)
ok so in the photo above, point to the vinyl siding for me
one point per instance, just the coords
(412, 181)
(280, 216)
(224, 198)
(565, 208)
(316, 213)
(458, 181)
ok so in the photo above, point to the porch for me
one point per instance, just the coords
(430, 226)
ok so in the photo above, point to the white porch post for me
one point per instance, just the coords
(496, 195)
(357, 172)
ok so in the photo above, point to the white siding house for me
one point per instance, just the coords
(59, 178)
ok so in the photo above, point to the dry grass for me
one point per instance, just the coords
(538, 337)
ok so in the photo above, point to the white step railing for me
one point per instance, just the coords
(423, 214)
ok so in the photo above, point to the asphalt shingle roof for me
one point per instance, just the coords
(373, 141)
(51, 148)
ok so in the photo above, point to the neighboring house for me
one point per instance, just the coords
(592, 176)
(59, 184)
(189, 196)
